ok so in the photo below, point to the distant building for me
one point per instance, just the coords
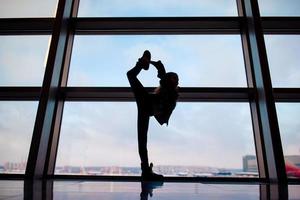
(250, 163)
(2, 169)
(15, 166)
(294, 159)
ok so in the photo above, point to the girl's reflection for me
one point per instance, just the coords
(148, 187)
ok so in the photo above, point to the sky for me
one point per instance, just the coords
(100, 8)
(104, 133)
(191, 56)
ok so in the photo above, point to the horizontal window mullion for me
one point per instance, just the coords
(143, 25)
(281, 25)
(156, 25)
(166, 179)
(26, 26)
(287, 94)
(125, 94)
(185, 94)
(20, 93)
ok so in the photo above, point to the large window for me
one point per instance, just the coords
(86, 120)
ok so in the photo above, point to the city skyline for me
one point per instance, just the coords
(167, 170)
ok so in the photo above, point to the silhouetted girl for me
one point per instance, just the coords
(159, 104)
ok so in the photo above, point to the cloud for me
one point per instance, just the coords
(105, 134)
(283, 59)
(202, 130)
(25, 54)
(288, 115)
(16, 128)
(133, 8)
(204, 60)
(279, 7)
(98, 134)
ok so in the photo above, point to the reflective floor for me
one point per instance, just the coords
(77, 190)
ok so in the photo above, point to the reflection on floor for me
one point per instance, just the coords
(77, 190)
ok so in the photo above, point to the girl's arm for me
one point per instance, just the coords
(161, 71)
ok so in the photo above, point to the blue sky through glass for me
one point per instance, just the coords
(156, 8)
(279, 7)
(283, 56)
(143, 8)
(16, 126)
(23, 60)
(200, 61)
(199, 134)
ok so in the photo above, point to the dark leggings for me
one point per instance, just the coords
(143, 100)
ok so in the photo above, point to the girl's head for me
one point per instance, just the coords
(169, 81)
(168, 88)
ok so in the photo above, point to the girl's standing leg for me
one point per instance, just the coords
(142, 100)
(143, 123)
(144, 105)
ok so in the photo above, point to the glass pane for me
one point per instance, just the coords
(11, 189)
(16, 127)
(26, 54)
(202, 139)
(283, 56)
(154, 190)
(155, 8)
(199, 60)
(28, 8)
(279, 7)
(289, 125)
(294, 191)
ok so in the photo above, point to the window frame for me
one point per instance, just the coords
(54, 91)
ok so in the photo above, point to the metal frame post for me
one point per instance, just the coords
(48, 104)
(265, 123)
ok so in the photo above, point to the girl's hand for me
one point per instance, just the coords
(157, 64)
